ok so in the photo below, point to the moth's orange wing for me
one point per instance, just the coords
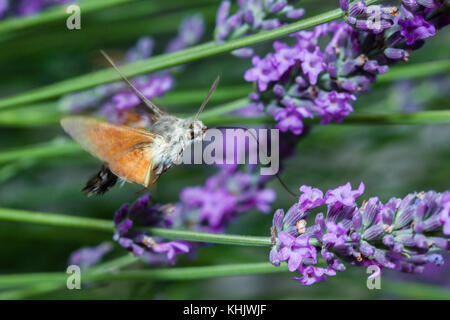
(126, 150)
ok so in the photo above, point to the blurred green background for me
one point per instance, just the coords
(391, 160)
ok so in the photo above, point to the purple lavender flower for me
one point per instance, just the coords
(189, 33)
(141, 214)
(224, 196)
(296, 250)
(343, 195)
(253, 16)
(412, 230)
(308, 80)
(89, 256)
(4, 5)
(26, 7)
(416, 28)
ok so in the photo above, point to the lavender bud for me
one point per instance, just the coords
(320, 221)
(301, 82)
(344, 5)
(366, 249)
(380, 257)
(349, 85)
(278, 6)
(357, 220)
(270, 24)
(355, 237)
(395, 54)
(388, 240)
(242, 52)
(327, 255)
(432, 223)
(222, 12)
(357, 9)
(249, 17)
(373, 232)
(419, 227)
(274, 257)
(370, 211)
(278, 90)
(293, 215)
(348, 67)
(404, 217)
(405, 212)
(295, 13)
(351, 20)
(397, 248)
(362, 24)
(421, 241)
(387, 216)
(254, 96)
(332, 70)
(406, 239)
(278, 219)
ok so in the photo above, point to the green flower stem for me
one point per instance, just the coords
(42, 288)
(56, 13)
(36, 281)
(413, 71)
(41, 151)
(165, 61)
(190, 273)
(106, 225)
(211, 119)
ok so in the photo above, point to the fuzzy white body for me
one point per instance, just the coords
(174, 135)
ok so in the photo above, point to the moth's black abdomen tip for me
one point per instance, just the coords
(101, 182)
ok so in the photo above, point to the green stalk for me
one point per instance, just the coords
(190, 273)
(413, 71)
(106, 225)
(42, 288)
(211, 119)
(51, 280)
(165, 61)
(56, 13)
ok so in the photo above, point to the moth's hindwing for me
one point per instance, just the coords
(126, 150)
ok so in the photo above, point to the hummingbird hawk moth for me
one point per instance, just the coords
(135, 154)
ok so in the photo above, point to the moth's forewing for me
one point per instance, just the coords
(126, 150)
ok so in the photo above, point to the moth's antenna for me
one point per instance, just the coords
(210, 92)
(141, 96)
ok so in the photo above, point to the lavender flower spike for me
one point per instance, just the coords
(403, 234)
(323, 81)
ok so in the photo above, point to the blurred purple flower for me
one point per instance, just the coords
(89, 256)
(253, 16)
(190, 32)
(142, 214)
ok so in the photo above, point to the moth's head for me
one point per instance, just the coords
(195, 129)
